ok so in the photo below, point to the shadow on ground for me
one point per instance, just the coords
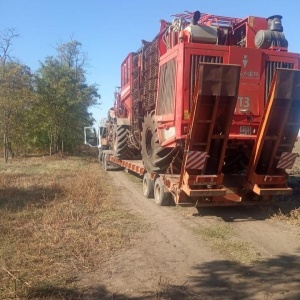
(15, 199)
(274, 278)
(235, 213)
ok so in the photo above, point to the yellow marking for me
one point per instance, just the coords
(186, 115)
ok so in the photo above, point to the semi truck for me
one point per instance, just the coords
(208, 112)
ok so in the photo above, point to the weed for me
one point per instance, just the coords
(58, 219)
(292, 216)
(222, 238)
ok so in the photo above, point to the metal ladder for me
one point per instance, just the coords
(213, 108)
(277, 134)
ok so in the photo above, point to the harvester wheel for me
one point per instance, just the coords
(155, 157)
(162, 196)
(120, 145)
(148, 186)
(120, 141)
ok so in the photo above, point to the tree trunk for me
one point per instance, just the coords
(62, 147)
(50, 145)
(5, 148)
(5, 140)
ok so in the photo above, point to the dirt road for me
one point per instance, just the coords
(217, 253)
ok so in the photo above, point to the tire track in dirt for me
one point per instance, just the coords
(165, 252)
(168, 254)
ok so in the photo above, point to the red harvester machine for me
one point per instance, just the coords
(208, 112)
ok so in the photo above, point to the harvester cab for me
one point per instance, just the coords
(90, 137)
(96, 138)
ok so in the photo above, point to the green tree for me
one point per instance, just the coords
(64, 97)
(15, 95)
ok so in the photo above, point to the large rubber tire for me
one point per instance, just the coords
(120, 142)
(162, 196)
(148, 186)
(155, 157)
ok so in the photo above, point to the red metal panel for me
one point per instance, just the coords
(254, 24)
(271, 179)
(164, 59)
(250, 92)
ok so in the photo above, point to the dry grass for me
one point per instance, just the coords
(58, 219)
(291, 216)
(222, 238)
(287, 208)
(168, 291)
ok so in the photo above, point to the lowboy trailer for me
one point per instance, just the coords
(271, 154)
(208, 112)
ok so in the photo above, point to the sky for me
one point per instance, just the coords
(109, 30)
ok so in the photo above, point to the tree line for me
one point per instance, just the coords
(45, 110)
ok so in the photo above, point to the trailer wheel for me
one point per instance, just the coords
(102, 159)
(105, 162)
(162, 196)
(148, 186)
(100, 153)
(155, 157)
(120, 138)
(107, 165)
